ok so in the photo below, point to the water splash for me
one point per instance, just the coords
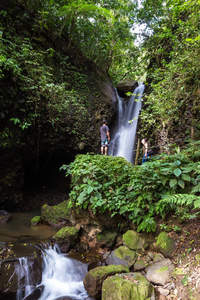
(123, 141)
(62, 276)
(22, 270)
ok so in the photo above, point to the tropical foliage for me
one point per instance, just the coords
(41, 84)
(172, 47)
(143, 193)
(167, 53)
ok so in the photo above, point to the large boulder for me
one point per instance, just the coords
(122, 256)
(132, 240)
(160, 272)
(94, 278)
(57, 215)
(95, 227)
(130, 286)
(165, 244)
(125, 86)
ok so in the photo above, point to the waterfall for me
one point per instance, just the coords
(22, 269)
(123, 141)
(61, 277)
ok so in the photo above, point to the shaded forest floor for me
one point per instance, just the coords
(187, 262)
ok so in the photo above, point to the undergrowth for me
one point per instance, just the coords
(164, 185)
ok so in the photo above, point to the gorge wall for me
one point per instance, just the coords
(52, 102)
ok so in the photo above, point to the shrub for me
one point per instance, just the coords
(140, 193)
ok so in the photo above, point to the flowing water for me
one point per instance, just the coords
(62, 276)
(123, 141)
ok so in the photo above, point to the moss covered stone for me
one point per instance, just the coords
(160, 272)
(197, 257)
(132, 240)
(165, 244)
(56, 214)
(67, 235)
(36, 220)
(139, 265)
(122, 256)
(130, 286)
(107, 238)
(95, 277)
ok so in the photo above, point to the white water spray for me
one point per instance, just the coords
(22, 269)
(62, 277)
(123, 141)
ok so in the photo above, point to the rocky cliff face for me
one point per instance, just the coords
(51, 107)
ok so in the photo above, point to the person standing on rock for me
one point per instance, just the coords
(105, 137)
(145, 150)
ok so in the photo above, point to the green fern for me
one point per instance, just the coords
(174, 202)
(196, 189)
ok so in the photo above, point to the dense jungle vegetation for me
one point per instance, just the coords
(166, 185)
(45, 83)
(34, 66)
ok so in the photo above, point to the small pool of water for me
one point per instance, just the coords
(19, 229)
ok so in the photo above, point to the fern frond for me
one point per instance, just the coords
(186, 200)
(196, 189)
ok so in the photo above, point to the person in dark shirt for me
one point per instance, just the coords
(105, 137)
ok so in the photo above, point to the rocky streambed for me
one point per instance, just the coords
(129, 265)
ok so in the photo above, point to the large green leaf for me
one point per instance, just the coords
(186, 177)
(172, 182)
(181, 183)
(177, 172)
(90, 189)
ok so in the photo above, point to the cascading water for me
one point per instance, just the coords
(22, 269)
(61, 277)
(123, 141)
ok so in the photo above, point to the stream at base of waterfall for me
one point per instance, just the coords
(123, 140)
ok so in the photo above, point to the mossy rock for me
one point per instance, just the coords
(107, 238)
(36, 220)
(139, 265)
(165, 244)
(95, 277)
(160, 272)
(132, 240)
(158, 257)
(130, 286)
(197, 257)
(53, 215)
(66, 235)
(122, 256)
